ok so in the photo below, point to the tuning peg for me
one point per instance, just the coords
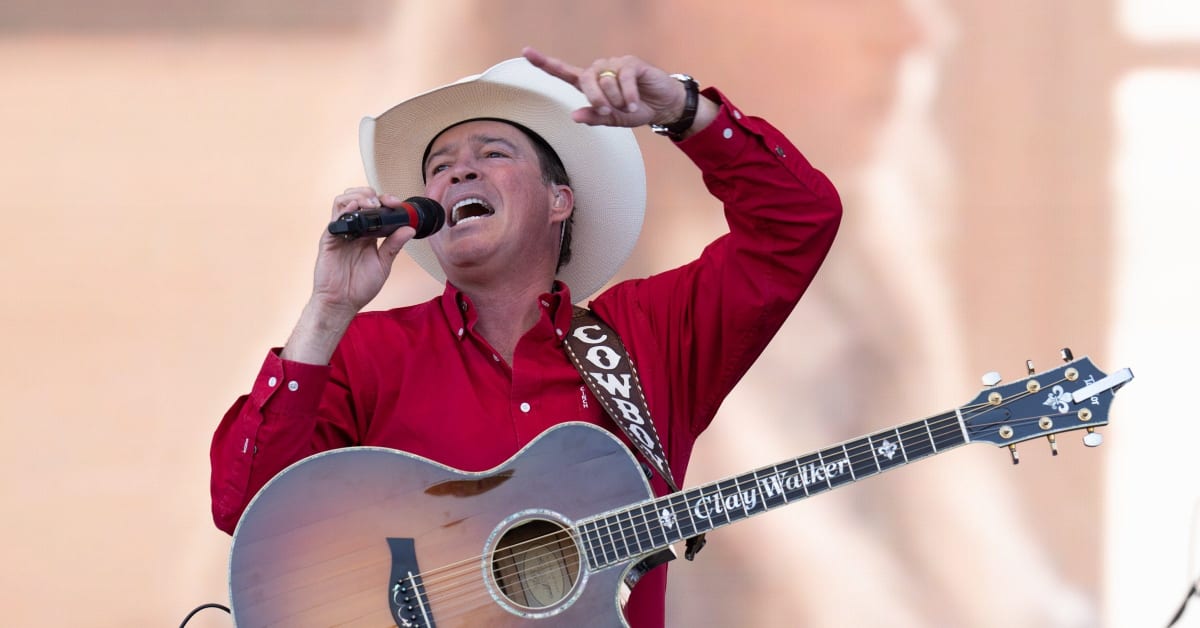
(1012, 449)
(1066, 354)
(1092, 438)
(990, 378)
(1029, 367)
(1053, 444)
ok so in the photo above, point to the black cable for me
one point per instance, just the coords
(1186, 599)
(211, 605)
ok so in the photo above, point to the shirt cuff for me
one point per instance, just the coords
(287, 387)
(724, 138)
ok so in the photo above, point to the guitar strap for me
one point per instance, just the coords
(609, 373)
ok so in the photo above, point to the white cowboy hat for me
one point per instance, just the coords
(603, 163)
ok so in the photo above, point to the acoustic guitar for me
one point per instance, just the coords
(559, 534)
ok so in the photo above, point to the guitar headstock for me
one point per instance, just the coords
(1074, 396)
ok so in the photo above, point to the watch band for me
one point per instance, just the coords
(676, 129)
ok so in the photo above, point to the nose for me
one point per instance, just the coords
(463, 171)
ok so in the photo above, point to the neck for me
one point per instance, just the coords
(505, 313)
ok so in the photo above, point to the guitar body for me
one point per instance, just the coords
(376, 537)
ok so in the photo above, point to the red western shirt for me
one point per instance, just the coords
(420, 379)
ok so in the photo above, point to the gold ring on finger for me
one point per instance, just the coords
(604, 73)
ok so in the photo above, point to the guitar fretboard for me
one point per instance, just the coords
(616, 537)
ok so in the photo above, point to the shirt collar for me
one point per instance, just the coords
(462, 316)
(558, 304)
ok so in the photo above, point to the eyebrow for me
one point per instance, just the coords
(477, 138)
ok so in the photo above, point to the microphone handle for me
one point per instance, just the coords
(373, 223)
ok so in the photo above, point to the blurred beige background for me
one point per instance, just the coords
(1018, 177)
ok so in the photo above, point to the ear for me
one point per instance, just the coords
(562, 203)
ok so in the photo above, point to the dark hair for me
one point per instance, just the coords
(553, 173)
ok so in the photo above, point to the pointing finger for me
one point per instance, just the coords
(553, 66)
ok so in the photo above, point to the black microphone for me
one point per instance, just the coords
(423, 214)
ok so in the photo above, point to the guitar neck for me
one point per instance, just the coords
(616, 537)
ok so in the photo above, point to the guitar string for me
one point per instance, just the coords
(944, 424)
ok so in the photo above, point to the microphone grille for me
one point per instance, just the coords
(430, 215)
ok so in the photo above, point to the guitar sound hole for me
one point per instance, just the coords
(536, 564)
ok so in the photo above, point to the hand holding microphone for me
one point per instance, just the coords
(423, 214)
(351, 271)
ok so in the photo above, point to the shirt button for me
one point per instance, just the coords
(727, 133)
(463, 305)
(737, 114)
(525, 406)
(779, 151)
(293, 386)
(495, 358)
(271, 381)
(558, 331)
(460, 332)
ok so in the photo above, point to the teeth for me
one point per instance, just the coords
(456, 216)
(470, 201)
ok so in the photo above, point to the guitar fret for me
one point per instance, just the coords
(916, 444)
(618, 535)
(654, 516)
(949, 436)
(670, 523)
(610, 547)
(723, 497)
(836, 465)
(601, 546)
(750, 496)
(589, 545)
(901, 441)
(803, 484)
(597, 544)
(648, 523)
(806, 470)
(821, 470)
(861, 466)
(928, 431)
(633, 526)
(871, 446)
(606, 550)
(688, 508)
(694, 527)
(962, 425)
(622, 533)
(851, 461)
(772, 489)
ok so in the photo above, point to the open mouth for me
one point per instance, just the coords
(469, 209)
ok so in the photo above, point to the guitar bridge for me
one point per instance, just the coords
(406, 594)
